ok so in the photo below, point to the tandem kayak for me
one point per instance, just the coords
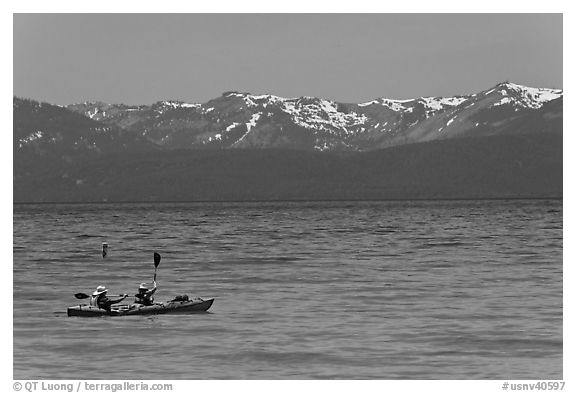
(182, 306)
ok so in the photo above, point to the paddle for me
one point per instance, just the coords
(157, 258)
(81, 295)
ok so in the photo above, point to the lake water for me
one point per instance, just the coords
(304, 290)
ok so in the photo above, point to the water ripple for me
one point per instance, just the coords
(304, 290)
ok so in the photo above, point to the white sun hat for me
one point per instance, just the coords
(101, 289)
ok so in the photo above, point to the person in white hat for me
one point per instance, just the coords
(100, 299)
(144, 295)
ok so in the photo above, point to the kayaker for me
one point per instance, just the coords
(144, 295)
(100, 299)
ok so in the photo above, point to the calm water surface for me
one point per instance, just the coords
(347, 290)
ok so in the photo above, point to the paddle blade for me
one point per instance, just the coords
(81, 296)
(156, 260)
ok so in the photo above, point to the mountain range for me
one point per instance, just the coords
(241, 146)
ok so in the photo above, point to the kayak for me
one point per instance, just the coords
(173, 306)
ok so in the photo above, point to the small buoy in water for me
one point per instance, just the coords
(104, 249)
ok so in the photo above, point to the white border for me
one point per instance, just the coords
(260, 6)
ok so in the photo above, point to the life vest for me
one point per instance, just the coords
(145, 299)
(94, 300)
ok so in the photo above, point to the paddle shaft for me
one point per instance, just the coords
(86, 296)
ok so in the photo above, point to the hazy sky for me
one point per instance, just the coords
(144, 58)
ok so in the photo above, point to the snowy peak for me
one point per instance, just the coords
(522, 96)
(508, 93)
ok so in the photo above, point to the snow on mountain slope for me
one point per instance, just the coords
(437, 104)
(523, 96)
(430, 104)
(322, 115)
(317, 123)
